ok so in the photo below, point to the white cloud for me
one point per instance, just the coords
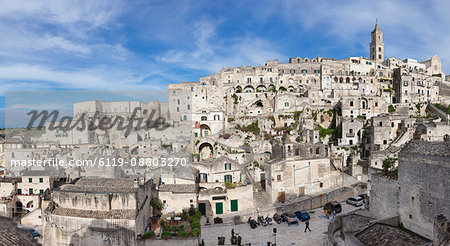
(212, 53)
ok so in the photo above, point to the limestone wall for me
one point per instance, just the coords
(383, 196)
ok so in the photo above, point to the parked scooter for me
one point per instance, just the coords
(262, 221)
(284, 217)
(253, 224)
(269, 220)
(277, 218)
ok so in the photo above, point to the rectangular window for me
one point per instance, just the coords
(249, 80)
(41, 180)
(41, 191)
(30, 191)
(227, 166)
(405, 83)
(228, 178)
(19, 191)
(234, 205)
(278, 177)
(30, 180)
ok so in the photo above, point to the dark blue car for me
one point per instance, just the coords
(302, 215)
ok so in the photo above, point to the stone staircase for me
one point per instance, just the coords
(261, 199)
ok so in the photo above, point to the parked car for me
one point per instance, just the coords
(302, 215)
(34, 233)
(364, 197)
(333, 206)
(355, 201)
(292, 219)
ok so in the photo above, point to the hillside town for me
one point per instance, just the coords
(239, 145)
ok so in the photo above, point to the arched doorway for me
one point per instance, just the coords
(19, 208)
(261, 88)
(205, 130)
(30, 204)
(291, 88)
(206, 151)
(249, 89)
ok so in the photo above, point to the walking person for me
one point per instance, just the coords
(307, 226)
(334, 214)
(326, 214)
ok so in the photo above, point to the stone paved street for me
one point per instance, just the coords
(293, 235)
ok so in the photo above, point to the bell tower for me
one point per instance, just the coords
(377, 45)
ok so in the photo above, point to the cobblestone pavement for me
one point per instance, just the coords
(286, 236)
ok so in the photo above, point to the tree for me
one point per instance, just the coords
(156, 203)
(388, 164)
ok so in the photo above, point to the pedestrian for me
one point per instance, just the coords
(289, 222)
(232, 232)
(307, 226)
(326, 214)
(334, 213)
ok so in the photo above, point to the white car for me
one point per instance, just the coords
(355, 201)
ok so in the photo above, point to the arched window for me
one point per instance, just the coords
(286, 104)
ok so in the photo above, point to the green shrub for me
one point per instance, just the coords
(166, 235)
(196, 232)
(156, 203)
(391, 109)
(197, 215)
(195, 224)
(183, 234)
(149, 234)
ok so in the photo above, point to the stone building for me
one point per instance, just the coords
(420, 195)
(431, 131)
(351, 132)
(298, 170)
(95, 211)
(423, 182)
(377, 45)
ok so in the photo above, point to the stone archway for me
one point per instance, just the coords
(291, 88)
(206, 151)
(19, 208)
(30, 204)
(249, 89)
(205, 130)
(261, 88)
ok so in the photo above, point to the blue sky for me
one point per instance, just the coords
(145, 45)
